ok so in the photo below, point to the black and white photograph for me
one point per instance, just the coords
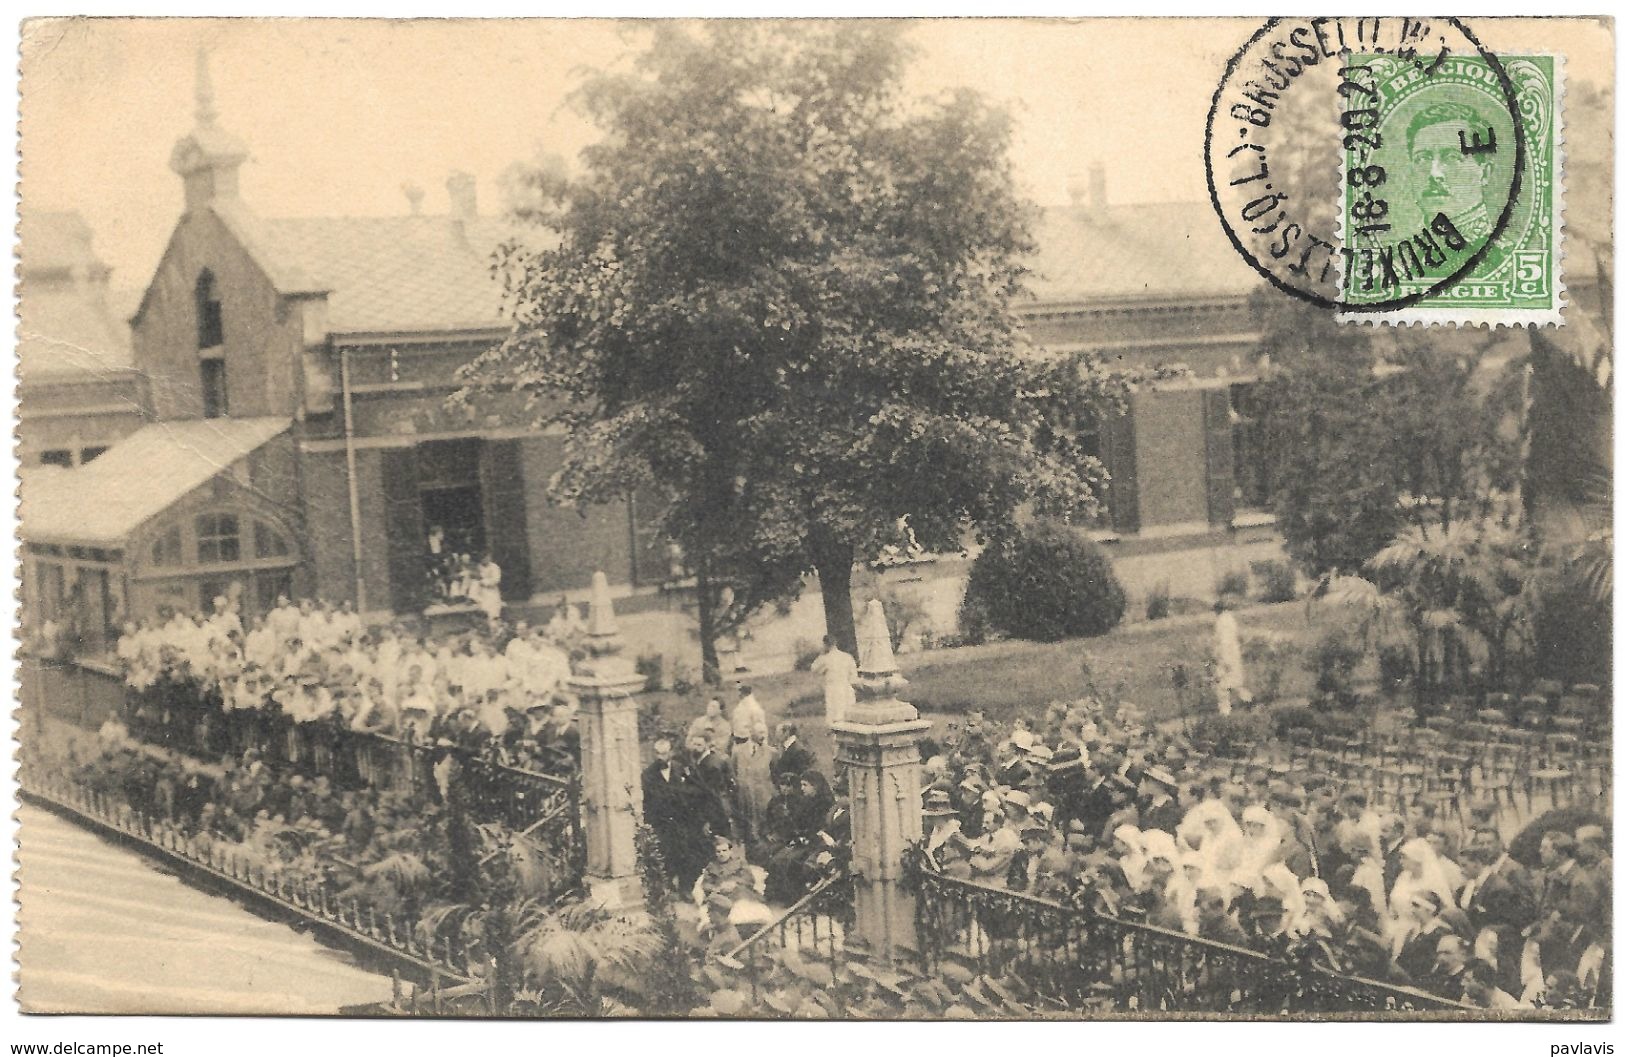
(998, 519)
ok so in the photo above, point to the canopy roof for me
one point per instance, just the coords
(102, 502)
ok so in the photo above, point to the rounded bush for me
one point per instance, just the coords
(1047, 583)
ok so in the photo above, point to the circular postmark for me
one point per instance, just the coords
(1365, 164)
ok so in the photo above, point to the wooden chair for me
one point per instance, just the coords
(1533, 714)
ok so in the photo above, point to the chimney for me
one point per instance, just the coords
(1097, 188)
(414, 196)
(1077, 188)
(460, 189)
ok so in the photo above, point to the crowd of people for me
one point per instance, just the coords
(743, 818)
(1103, 813)
(290, 823)
(455, 578)
(500, 690)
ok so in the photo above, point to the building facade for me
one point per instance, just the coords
(299, 439)
(308, 363)
(1148, 284)
(78, 389)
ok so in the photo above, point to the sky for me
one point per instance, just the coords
(339, 114)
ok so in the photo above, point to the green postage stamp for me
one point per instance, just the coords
(1452, 189)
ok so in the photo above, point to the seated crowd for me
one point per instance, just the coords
(1102, 813)
(227, 805)
(743, 820)
(499, 692)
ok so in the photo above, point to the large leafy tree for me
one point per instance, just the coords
(1368, 434)
(779, 294)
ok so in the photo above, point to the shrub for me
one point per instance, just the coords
(1267, 656)
(1319, 721)
(1045, 584)
(1332, 660)
(1278, 581)
(652, 666)
(904, 613)
(1157, 601)
(1232, 735)
(684, 679)
(1233, 582)
(806, 652)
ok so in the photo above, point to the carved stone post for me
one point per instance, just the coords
(611, 764)
(879, 742)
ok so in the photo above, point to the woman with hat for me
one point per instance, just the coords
(946, 848)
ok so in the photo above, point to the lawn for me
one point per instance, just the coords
(1007, 679)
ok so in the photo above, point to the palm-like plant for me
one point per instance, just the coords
(1450, 599)
(585, 956)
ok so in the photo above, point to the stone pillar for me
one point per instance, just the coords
(611, 763)
(879, 743)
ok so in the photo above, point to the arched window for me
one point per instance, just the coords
(166, 549)
(268, 542)
(210, 330)
(218, 539)
(211, 355)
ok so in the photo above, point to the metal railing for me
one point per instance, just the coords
(1083, 962)
(814, 927)
(350, 922)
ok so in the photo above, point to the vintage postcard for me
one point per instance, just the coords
(1104, 519)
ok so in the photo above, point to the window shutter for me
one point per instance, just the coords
(502, 486)
(403, 522)
(1118, 451)
(1221, 458)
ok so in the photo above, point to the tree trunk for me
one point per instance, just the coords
(833, 561)
(710, 666)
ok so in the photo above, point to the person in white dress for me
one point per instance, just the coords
(487, 592)
(840, 673)
(1230, 676)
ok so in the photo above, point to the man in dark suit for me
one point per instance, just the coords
(669, 810)
(710, 775)
(1501, 891)
(1158, 808)
(792, 757)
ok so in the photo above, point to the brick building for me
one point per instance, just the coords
(300, 441)
(1159, 283)
(78, 390)
(297, 370)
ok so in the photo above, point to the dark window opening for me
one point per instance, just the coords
(213, 373)
(87, 454)
(217, 538)
(1254, 466)
(270, 586)
(62, 457)
(166, 549)
(210, 329)
(268, 543)
(1090, 443)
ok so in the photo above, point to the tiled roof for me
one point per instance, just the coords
(54, 242)
(383, 274)
(1166, 250)
(66, 329)
(102, 502)
(66, 325)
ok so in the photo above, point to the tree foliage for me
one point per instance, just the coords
(1369, 434)
(779, 294)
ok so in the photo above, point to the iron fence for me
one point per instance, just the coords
(813, 928)
(1084, 962)
(398, 938)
